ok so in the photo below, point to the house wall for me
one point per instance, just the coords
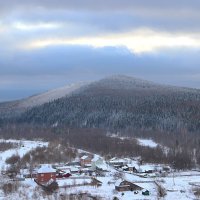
(85, 162)
(45, 177)
(134, 187)
(122, 188)
(127, 186)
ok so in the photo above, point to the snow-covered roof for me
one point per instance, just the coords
(112, 159)
(46, 169)
(118, 161)
(63, 167)
(66, 171)
(74, 169)
(103, 167)
(117, 183)
(130, 165)
(96, 157)
(146, 167)
(84, 157)
(86, 169)
(88, 165)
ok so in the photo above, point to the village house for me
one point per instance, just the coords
(131, 168)
(148, 169)
(85, 160)
(96, 161)
(74, 170)
(127, 186)
(45, 173)
(118, 163)
(99, 166)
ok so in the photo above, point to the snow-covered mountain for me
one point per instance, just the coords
(19, 106)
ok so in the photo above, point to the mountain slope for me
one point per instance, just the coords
(19, 106)
(121, 102)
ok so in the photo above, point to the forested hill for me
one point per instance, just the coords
(121, 102)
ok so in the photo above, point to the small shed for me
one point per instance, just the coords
(118, 162)
(131, 168)
(96, 182)
(46, 173)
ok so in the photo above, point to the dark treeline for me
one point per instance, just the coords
(120, 111)
(180, 155)
(6, 145)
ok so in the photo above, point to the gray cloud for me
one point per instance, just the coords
(112, 15)
(57, 60)
(25, 72)
(100, 5)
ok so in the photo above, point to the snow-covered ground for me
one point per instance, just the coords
(22, 148)
(147, 142)
(182, 190)
(178, 185)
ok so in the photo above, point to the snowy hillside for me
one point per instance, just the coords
(16, 107)
(23, 146)
(177, 185)
(50, 95)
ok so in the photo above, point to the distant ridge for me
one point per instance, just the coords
(17, 107)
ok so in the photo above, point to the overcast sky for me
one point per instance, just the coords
(45, 44)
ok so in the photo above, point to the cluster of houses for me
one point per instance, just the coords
(85, 170)
(47, 174)
(132, 166)
(86, 166)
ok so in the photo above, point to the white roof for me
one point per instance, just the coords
(146, 167)
(130, 165)
(46, 169)
(84, 157)
(66, 171)
(63, 167)
(74, 169)
(103, 166)
(113, 158)
(117, 183)
(96, 158)
(88, 165)
(118, 161)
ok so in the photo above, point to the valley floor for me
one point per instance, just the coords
(178, 185)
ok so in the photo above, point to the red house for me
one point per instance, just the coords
(46, 173)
